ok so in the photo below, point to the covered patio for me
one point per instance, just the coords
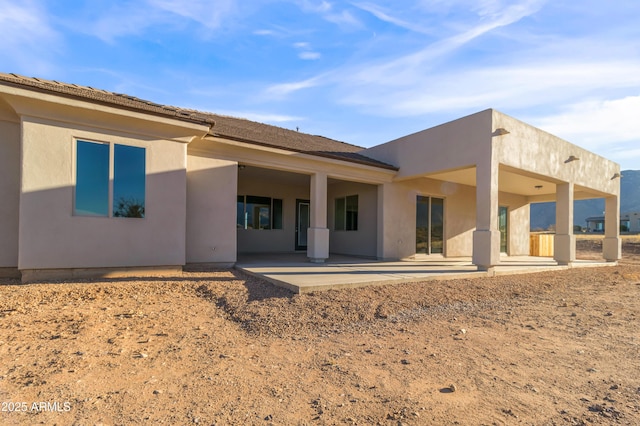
(296, 273)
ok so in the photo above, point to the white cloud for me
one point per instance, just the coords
(307, 53)
(344, 20)
(387, 78)
(309, 56)
(414, 67)
(124, 19)
(627, 156)
(385, 16)
(482, 8)
(28, 39)
(315, 6)
(414, 92)
(208, 14)
(595, 124)
(120, 22)
(264, 32)
(284, 89)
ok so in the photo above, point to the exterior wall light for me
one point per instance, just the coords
(571, 158)
(616, 176)
(538, 187)
(500, 132)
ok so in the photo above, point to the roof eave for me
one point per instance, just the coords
(140, 107)
(371, 163)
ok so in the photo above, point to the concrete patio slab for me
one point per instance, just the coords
(296, 273)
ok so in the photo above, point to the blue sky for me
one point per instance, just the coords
(364, 72)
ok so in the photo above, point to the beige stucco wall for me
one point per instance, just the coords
(462, 144)
(291, 164)
(211, 210)
(363, 241)
(518, 222)
(397, 210)
(50, 236)
(459, 221)
(473, 142)
(272, 240)
(457, 144)
(9, 186)
(533, 150)
(460, 218)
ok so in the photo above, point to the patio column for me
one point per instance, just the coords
(564, 243)
(382, 210)
(486, 237)
(612, 245)
(318, 234)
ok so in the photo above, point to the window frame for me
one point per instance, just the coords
(111, 178)
(127, 181)
(344, 218)
(76, 210)
(276, 205)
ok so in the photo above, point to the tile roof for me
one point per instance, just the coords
(232, 128)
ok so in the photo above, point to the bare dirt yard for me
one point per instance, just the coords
(219, 347)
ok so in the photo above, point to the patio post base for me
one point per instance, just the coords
(490, 270)
(612, 248)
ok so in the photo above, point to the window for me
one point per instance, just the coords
(346, 213)
(128, 181)
(255, 212)
(92, 179)
(94, 194)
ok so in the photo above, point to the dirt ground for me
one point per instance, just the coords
(219, 347)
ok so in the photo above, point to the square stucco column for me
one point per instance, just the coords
(564, 243)
(612, 245)
(486, 237)
(382, 243)
(318, 233)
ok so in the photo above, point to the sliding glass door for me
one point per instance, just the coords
(429, 225)
(503, 225)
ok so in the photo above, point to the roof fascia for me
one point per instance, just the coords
(50, 106)
(280, 159)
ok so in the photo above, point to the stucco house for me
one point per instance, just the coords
(94, 182)
(629, 222)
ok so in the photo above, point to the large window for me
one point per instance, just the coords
(346, 213)
(258, 212)
(92, 179)
(94, 193)
(128, 181)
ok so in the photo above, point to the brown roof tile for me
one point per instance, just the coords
(237, 129)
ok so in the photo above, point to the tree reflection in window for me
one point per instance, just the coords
(128, 181)
(93, 186)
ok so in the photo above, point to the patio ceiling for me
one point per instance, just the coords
(261, 174)
(514, 181)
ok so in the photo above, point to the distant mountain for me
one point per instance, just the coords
(543, 215)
